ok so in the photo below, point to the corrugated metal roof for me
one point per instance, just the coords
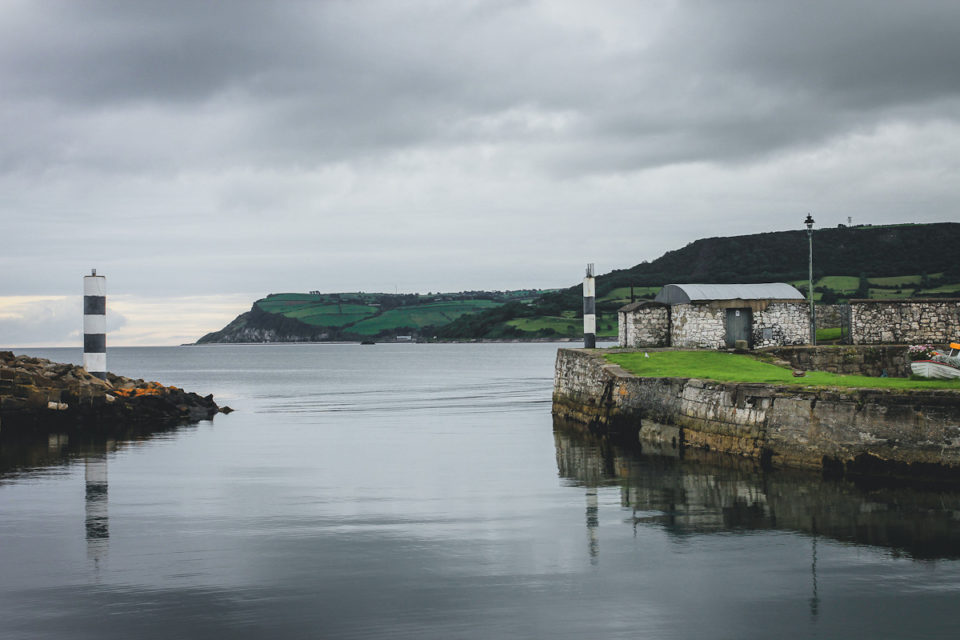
(682, 293)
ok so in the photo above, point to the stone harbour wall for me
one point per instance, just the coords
(856, 430)
(912, 321)
(648, 326)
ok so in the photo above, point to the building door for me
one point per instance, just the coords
(739, 326)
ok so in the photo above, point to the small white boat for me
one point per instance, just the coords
(943, 367)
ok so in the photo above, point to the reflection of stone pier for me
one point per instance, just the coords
(706, 492)
(98, 517)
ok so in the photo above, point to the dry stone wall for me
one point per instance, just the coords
(647, 326)
(876, 361)
(878, 431)
(932, 320)
(698, 326)
(781, 323)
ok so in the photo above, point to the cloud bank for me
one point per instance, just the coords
(201, 149)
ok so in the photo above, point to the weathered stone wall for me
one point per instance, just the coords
(898, 432)
(647, 326)
(781, 323)
(916, 321)
(862, 360)
(698, 326)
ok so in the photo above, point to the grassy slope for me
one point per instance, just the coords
(430, 314)
(731, 367)
(564, 326)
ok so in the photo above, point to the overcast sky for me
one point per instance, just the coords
(204, 154)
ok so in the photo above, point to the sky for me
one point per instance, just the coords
(204, 154)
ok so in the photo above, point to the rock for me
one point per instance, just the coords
(36, 395)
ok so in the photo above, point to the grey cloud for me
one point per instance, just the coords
(191, 147)
(48, 321)
(325, 82)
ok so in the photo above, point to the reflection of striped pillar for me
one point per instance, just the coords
(589, 310)
(95, 324)
(98, 518)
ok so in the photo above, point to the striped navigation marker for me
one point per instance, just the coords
(589, 310)
(95, 324)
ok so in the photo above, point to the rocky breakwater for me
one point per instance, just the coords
(855, 431)
(40, 395)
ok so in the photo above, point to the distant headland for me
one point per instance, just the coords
(890, 261)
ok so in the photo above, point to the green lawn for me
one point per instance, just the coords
(732, 367)
(834, 333)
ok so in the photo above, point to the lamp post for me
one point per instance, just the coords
(813, 320)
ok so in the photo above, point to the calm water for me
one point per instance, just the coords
(419, 491)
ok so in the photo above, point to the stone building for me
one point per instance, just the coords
(715, 316)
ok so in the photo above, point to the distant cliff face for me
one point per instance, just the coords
(257, 325)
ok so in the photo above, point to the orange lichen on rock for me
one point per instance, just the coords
(138, 392)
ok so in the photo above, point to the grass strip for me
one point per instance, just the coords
(733, 367)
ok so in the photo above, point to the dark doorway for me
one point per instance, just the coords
(739, 326)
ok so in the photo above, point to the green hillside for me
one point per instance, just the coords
(358, 316)
(897, 261)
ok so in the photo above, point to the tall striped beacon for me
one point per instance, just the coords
(95, 324)
(589, 310)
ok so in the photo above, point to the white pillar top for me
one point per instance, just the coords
(94, 286)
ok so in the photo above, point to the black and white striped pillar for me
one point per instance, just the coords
(589, 310)
(95, 324)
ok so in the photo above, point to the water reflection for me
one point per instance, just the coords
(704, 492)
(97, 509)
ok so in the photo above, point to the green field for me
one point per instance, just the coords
(566, 327)
(947, 288)
(894, 282)
(891, 294)
(422, 315)
(840, 284)
(732, 367)
(563, 326)
(622, 294)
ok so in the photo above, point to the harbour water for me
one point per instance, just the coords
(423, 491)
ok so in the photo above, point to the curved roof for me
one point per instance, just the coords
(682, 293)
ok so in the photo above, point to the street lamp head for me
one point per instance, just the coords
(809, 222)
